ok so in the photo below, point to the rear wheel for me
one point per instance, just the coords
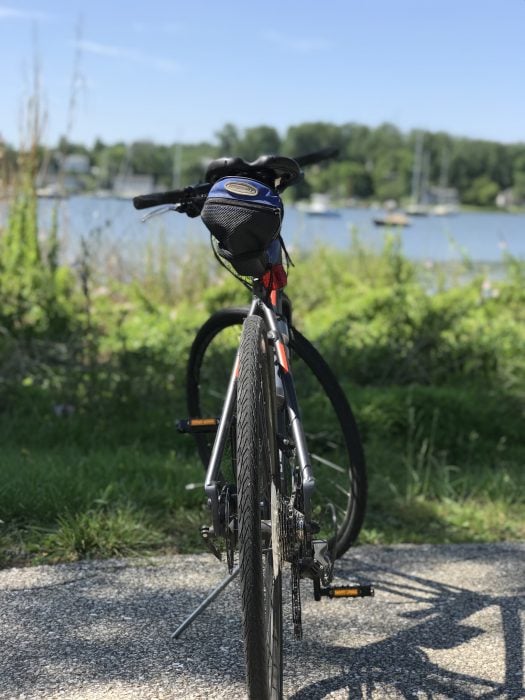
(260, 582)
(331, 431)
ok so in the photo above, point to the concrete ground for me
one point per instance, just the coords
(446, 622)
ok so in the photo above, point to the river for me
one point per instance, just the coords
(114, 222)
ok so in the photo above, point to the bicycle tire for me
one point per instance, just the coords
(261, 587)
(353, 481)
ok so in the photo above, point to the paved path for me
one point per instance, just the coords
(446, 622)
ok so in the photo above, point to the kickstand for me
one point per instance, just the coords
(205, 603)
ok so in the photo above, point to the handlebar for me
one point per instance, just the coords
(317, 156)
(190, 197)
(184, 196)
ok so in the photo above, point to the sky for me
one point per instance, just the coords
(170, 71)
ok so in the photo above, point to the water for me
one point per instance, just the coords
(482, 236)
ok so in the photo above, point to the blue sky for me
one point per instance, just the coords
(171, 70)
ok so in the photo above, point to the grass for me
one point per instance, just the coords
(424, 497)
(91, 382)
(457, 473)
(96, 498)
(66, 503)
(445, 521)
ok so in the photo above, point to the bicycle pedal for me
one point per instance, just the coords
(197, 425)
(347, 591)
(206, 534)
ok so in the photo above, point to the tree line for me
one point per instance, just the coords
(375, 163)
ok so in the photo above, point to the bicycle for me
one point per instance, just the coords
(266, 507)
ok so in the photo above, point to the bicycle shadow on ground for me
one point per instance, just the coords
(113, 625)
(400, 665)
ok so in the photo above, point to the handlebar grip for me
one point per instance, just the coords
(317, 156)
(156, 199)
(143, 201)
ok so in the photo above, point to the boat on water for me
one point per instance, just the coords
(444, 210)
(392, 219)
(54, 190)
(418, 210)
(318, 205)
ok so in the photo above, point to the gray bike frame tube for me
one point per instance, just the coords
(303, 455)
(210, 484)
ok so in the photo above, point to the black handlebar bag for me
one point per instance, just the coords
(244, 216)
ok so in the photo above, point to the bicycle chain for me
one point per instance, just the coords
(291, 537)
(230, 526)
(296, 602)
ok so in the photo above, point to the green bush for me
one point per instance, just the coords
(376, 323)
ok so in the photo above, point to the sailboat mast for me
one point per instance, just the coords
(176, 167)
(417, 168)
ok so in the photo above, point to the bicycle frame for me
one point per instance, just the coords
(278, 336)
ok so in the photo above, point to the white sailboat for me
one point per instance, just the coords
(420, 175)
(318, 205)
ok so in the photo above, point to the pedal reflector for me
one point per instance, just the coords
(199, 422)
(348, 591)
(198, 425)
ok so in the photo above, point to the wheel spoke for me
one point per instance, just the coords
(328, 463)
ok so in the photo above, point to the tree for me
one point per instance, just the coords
(356, 142)
(482, 192)
(309, 137)
(519, 187)
(148, 158)
(392, 174)
(67, 148)
(228, 138)
(358, 180)
(343, 179)
(518, 177)
(259, 140)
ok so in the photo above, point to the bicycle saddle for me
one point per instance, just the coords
(274, 167)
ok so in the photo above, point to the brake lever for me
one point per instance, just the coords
(160, 211)
(192, 208)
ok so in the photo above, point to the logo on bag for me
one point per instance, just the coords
(242, 188)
